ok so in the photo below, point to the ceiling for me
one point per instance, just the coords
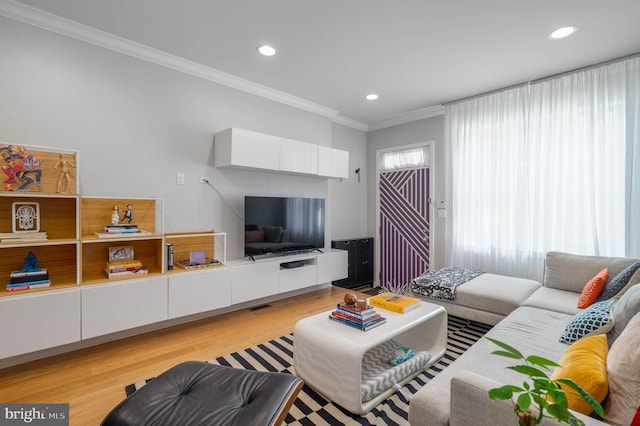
(415, 54)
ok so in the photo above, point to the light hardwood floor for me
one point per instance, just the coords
(92, 380)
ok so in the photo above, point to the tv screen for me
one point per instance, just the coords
(283, 225)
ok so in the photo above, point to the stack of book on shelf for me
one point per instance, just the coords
(121, 230)
(28, 280)
(362, 319)
(19, 237)
(395, 302)
(123, 268)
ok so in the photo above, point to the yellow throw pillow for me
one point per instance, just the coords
(585, 362)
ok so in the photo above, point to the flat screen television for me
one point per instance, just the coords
(283, 225)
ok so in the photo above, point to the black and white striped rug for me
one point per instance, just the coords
(312, 409)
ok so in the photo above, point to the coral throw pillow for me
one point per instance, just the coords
(585, 362)
(592, 289)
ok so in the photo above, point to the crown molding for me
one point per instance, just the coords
(419, 114)
(350, 122)
(48, 21)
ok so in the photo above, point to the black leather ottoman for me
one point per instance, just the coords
(197, 393)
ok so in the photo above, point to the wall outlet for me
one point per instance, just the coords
(204, 179)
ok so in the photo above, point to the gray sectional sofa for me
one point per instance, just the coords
(540, 314)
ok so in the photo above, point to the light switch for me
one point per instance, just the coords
(179, 178)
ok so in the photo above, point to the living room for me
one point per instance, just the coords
(139, 119)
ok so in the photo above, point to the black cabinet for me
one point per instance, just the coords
(360, 254)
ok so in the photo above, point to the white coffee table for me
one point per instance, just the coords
(328, 355)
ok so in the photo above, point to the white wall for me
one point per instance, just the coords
(349, 212)
(136, 124)
(430, 129)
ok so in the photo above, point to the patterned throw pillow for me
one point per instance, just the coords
(596, 319)
(592, 289)
(614, 286)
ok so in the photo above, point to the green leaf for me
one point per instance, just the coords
(500, 393)
(513, 351)
(541, 362)
(506, 354)
(559, 397)
(584, 394)
(524, 401)
(562, 414)
(528, 370)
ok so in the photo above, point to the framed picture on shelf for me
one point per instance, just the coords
(120, 253)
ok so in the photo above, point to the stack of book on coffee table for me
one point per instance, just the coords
(362, 319)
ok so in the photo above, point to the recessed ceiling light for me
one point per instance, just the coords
(371, 97)
(266, 50)
(562, 32)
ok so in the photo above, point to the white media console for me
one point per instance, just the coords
(62, 320)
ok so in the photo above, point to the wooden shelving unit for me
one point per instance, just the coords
(96, 213)
(59, 253)
(212, 243)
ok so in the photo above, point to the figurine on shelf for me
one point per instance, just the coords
(115, 216)
(64, 180)
(128, 214)
(30, 263)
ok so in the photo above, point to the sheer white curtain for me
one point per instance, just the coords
(543, 167)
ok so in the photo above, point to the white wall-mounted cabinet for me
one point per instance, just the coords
(239, 148)
(254, 280)
(299, 277)
(199, 291)
(108, 308)
(243, 148)
(298, 157)
(333, 162)
(333, 265)
(38, 321)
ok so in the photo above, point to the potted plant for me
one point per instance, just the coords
(540, 396)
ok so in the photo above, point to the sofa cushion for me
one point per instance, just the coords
(585, 362)
(617, 283)
(499, 294)
(626, 308)
(593, 288)
(596, 319)
(566, 271)
(555, 300)
(623, 368)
